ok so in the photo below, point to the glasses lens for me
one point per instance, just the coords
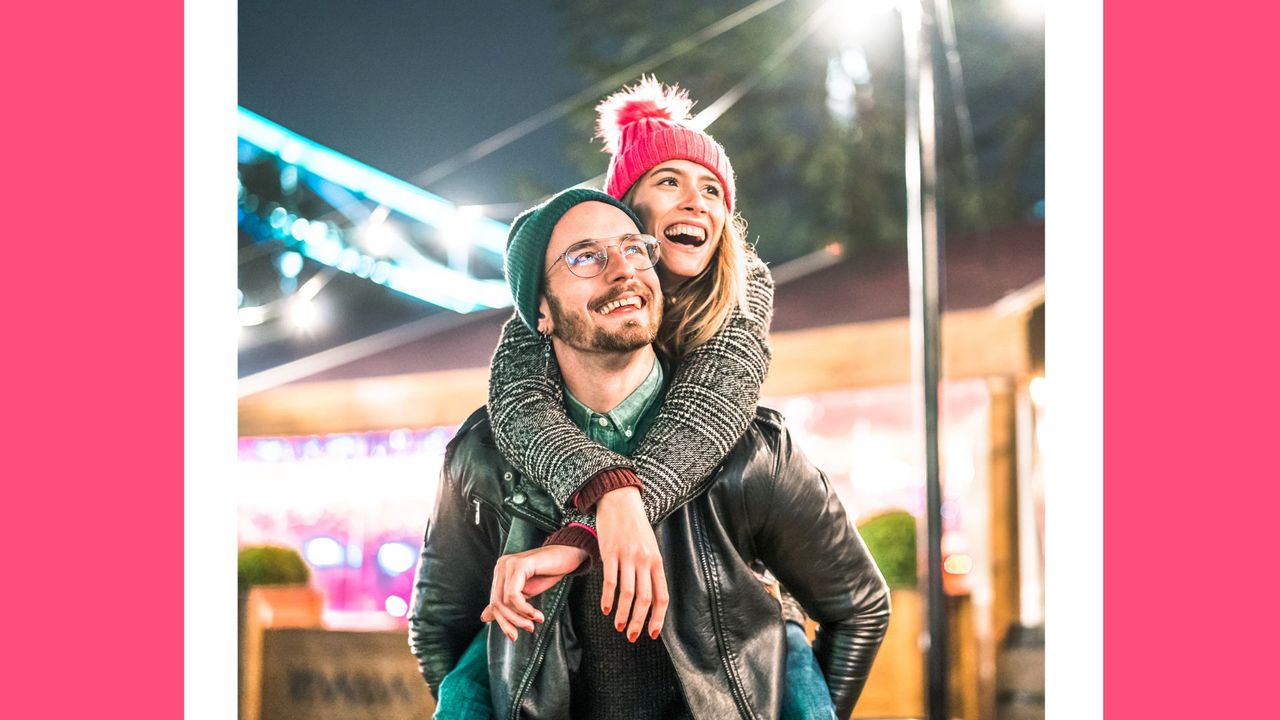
(589, 258)
(586, 259)
(639, 250)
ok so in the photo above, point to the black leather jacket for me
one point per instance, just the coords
(724, 632)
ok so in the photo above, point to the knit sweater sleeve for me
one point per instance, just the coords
(710, 403)
(530, 426)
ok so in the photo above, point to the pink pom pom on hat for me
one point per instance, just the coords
(645, 124)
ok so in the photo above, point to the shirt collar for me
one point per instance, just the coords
(626, 414)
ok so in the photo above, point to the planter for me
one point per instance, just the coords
(261, 608)
(895, 687)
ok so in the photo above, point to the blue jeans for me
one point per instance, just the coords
(464, 692)
(805, 695)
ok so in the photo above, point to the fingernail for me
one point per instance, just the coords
(632, 637)
(620, 626)
(606, 609)
(654, 635)
(539, 617)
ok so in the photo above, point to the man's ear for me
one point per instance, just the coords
(545, 326)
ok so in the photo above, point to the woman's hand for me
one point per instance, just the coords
(518, 577)
(631, 562)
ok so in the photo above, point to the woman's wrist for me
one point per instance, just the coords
(601, 484)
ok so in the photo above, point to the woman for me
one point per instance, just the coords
(718, 305)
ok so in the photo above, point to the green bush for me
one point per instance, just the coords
(270, 565)
(891, 538)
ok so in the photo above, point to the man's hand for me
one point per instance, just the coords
(631, 562)
(518, 577)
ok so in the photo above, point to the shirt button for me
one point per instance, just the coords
(627, 433)
(506, 476)
(604, 422)
(518, 498)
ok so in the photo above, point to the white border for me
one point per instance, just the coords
(1074, 361)
(209, 342)
(1073, 305)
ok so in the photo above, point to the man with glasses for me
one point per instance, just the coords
(581, 270)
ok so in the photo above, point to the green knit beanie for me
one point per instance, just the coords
(527, 246)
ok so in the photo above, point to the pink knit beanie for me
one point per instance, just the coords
(644, 125)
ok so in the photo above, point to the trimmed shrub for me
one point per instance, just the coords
(270, 565)
(891, 538)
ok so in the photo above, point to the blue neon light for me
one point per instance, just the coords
(424, 279)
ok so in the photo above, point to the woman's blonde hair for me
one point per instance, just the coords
(694, 312)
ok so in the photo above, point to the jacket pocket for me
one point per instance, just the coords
(481, 509)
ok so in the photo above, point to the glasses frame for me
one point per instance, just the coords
(656, 244)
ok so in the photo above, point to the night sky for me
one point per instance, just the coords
(402, 85)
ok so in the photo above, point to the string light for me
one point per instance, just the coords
(958, 564)
(323, 552)
(387, 257)
(290, 264)
(396, 606)
(395, 558)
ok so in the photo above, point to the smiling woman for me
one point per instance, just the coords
(703, 257)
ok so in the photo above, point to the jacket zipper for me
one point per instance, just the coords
(478, 503)
(735, 684)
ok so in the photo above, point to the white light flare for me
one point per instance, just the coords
(858, 20)
(303, 313)
(1028, 11)
(1039, 390)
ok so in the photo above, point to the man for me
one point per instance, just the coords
(722, 650)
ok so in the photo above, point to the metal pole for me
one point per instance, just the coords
(924, 269)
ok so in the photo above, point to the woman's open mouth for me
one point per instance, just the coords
(686, 234)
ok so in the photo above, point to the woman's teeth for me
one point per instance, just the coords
(686, 234)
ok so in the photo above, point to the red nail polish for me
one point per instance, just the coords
(632, 637)
(653, 635)
(606, 609)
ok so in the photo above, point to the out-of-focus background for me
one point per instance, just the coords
(383, 150)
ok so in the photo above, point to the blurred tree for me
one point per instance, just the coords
(809, 175)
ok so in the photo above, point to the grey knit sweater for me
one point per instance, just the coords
(709, 404)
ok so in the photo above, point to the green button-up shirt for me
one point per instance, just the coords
(621, 428)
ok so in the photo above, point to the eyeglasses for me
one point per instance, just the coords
(588, 258)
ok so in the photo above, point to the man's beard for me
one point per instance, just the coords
(578, 333)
